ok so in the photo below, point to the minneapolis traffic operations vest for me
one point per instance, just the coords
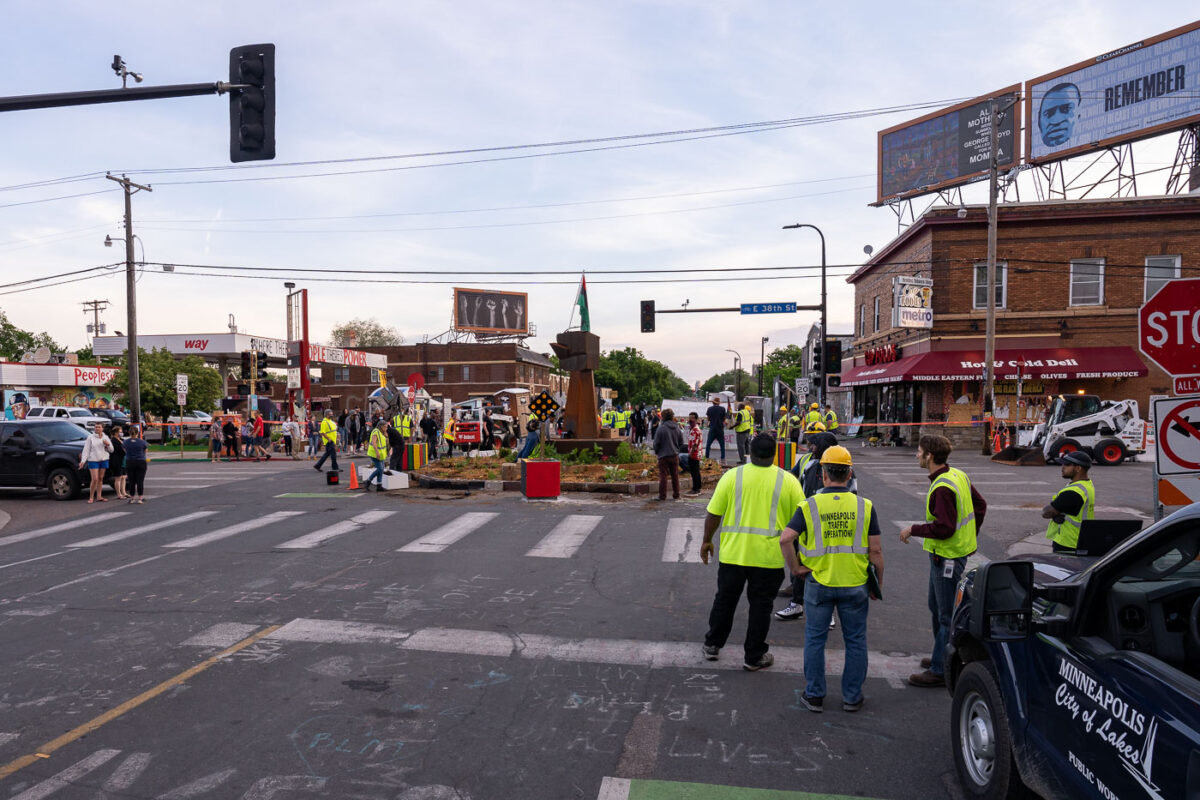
(757, 504)
(834, 543)
(1066, 533)
(377, 445)
(745, 421)
(963, 542)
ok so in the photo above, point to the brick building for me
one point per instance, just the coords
(1070, 277)
(455, 372)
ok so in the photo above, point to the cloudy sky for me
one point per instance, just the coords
(369, 89)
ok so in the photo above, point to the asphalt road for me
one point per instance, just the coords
(251, 633)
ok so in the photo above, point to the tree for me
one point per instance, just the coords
(784, 363)
(87, 356)
(638, 379)
(717, 383)
(366, 332)
(14, 342)
(156, 375)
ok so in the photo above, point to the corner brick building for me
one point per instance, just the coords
(1070, 275)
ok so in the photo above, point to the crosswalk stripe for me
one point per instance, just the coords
(318, 538)
(234, 530)
(567, 537)
(683, 540)
(131, 532)
(214, 478)
(65, 526)
(68, 776)
(448, 534)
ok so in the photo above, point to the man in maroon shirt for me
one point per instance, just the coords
(949, 540)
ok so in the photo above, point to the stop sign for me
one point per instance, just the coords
(1169, 327)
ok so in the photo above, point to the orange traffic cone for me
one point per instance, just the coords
(353, 478)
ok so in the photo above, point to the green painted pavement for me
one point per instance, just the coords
(671, 790)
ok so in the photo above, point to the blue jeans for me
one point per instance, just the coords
(941, 606)
(531, 441)
(330, 453)
(715, 435)
(851, 603)
(377, 472)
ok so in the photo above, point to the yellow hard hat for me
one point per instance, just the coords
(815, 405)
(783, 408)
(836, 455)
(815, 427)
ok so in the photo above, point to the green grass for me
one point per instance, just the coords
(174, 448)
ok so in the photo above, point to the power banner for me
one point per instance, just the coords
(486, 311)
(946, 148)
(1134, 92)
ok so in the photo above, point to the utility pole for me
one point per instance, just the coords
(94, 307)
(135, 395)
(987, 401)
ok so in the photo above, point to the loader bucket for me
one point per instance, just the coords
(1021, 457)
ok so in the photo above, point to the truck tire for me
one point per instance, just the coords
(1061, 447)
(1109, 452)
(63, 484)
(982, 739)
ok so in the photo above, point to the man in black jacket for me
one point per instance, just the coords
(429, 427)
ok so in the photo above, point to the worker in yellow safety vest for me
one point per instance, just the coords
(377, 451)
(329, 435)
(749, 508)
(743, 426)
(795, 425)
(831, 419)
(1073, 504)
(839, 541)
(783, 425)
(954, 512)
(622, 419)
(813, 415)
(607, 417)
(403, 423)
(448, 433)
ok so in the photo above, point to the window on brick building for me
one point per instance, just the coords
(466, 372)
(1159, 270)
(876, 314)
(862, 319)
(1087, 282)
(441, 374)
(341, 374)
(980, 294)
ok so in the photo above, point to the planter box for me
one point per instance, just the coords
(397, 480)
(541, 478)
(414, 456)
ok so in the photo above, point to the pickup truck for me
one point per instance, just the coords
(1078, 677)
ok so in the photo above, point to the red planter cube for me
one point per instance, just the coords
(541, 478)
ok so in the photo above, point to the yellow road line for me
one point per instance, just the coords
(108, 716)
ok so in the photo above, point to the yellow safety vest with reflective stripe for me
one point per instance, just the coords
(745, 420)
(811, 417)
(963, 542)
(1066, 533)
(781, 427)
(831, 421)
(622, 419)
(377, 445)
(752, 522)
(802, 465)
(448, 431)
(403, 425)
(834, 542)
(607, 418)
(328, 431)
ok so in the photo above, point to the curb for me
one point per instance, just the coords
(5, 518)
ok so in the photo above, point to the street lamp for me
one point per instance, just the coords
(737, 375)
(824, 327)
(762, 364)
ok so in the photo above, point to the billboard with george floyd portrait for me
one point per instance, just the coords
(489, 311)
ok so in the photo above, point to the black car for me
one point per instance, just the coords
(43, 453)
(117, 418)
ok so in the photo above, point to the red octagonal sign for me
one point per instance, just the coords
(1169, 327)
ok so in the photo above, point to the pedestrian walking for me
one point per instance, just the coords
(329, 440)
(749, 509)
(1073, 504)
(954, 512)
(341, 430)
(312, 432)
(352, 431)
(261, 440)
(668, 444)
(246, 439)
(229, 434)
(839, 540)
(214, 440)
(95, 454)
(743, 427)
(694, 438)
(377, 451)
(137, 461)
(291, 432)
(716, 414)
(116, 462)
(429, 428)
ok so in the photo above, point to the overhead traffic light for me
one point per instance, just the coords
(647, 316)
(252, 105)
(833, 357)
(816, 358)
(246, 365)
(260, 369)
(262, 387)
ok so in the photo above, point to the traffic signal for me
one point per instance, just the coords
(252, 106)
(647, 316)
(833, 357)
(262, 387)
(260, 372)
(833, 381)
(246, 365)
(243, 389)
(816, 358)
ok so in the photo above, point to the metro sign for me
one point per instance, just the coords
(1169, 327)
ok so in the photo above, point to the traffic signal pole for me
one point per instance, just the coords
(131, 342)
(61, 99)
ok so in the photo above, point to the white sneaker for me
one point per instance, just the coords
(790, 611)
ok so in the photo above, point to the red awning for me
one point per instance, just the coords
(965, 365)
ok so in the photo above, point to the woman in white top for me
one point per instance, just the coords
(96, 450)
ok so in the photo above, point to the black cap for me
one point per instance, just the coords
(1078, 458)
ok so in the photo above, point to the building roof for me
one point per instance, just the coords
(530, 357)
(1042, 210)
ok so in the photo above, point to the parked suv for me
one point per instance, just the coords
(41, 453)
(114, 416)
(83, 417)
(1079, 677)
